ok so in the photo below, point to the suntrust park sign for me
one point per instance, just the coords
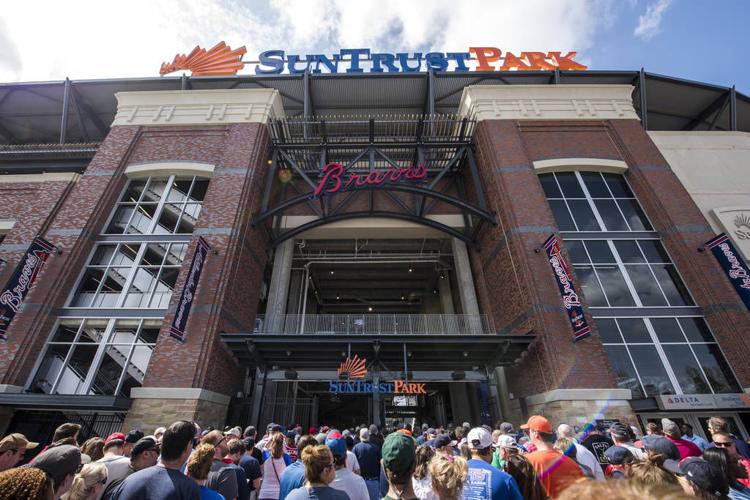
(355, 368)
(221, 60)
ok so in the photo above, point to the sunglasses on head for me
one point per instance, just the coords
(723, 445)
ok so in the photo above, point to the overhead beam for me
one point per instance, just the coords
(89, 112)
(717, 105)
(733, 109)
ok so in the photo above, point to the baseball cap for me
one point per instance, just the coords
(160, 430)
(619, 430)
(539, 424)
(364, 434)
(235, 431)
(506, 428)
(398, 452)
(405, 432)
(669, 426)
(430, 430)
(505, 441)
(479, 438)
(702, 474)
(59, 461)
(276, 428)
(134, 436)
(114, 436)
(143, 444)
(16, 441)
(662, 446)
(325, 428)
(617, 454)
(444, 440)
(337, 443)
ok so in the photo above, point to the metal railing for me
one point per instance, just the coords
(374, 324)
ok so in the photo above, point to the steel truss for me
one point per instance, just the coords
(303, 147)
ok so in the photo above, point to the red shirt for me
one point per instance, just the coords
(556, 471)
(685, 447)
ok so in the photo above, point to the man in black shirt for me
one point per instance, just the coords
(597, 443)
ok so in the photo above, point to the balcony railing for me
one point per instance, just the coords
(374, 324)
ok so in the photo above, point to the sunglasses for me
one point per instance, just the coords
(723, 445)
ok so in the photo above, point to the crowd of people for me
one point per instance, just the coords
(535, 462)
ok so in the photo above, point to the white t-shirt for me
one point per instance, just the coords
(585, 457)
(117, 468)
(273, 468)
(423, 488)
(351, 484)
(351, 461)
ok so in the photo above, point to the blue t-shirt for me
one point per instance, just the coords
(251, 467)
(209, 494)
(292, 478)
(485, 482)
(157, 483)
(368, 456)
(243, 489)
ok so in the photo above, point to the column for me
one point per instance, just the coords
(257, 397)
(376, 401)
(446, 298)
(278, 291)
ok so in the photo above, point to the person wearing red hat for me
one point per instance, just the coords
(556, 471)
(117, 464)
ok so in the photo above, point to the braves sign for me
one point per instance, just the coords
(736, 269)
(336, 179)
(26, 273)
(179, 323)
(570, 298)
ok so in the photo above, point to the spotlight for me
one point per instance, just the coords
(331, 271)
(403, 297)
(369, 309)
(337, 297)
(410, 269)
(442, 276)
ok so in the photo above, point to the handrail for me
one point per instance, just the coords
(374, 324)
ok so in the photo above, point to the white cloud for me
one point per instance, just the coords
(649, 24)
(106, 39)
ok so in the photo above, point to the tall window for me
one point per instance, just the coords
(134, 267)
(655, 339)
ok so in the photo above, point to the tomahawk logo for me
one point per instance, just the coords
(353, 368)
(218, 60)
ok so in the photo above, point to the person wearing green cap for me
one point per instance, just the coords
(399, 462)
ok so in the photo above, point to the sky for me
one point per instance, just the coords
(697, 40)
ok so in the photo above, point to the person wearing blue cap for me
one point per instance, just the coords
(346, 481)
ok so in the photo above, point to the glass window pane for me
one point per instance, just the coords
(123, 334)
(139, 362)
(654, 251)
(74, 373)
(164, 287)
(595, 185)
(50, 368)
(670, 282)
(143, 283)
(667, 330)
(551, 190)
(120, 219)
(628, 251)
(102, 255)
(155, 190)
(569, 184)
(126, 254)
(133, 192)
(645, 285)
(716, 368)
(92, 333)
(114, 280)
(650, 368)
(176, 254)
(199, 190)
(686, 369)
(623, 369)
(599, 252)
(562, 216)
(168, 219)
(148, 335)
(634, 330)
(618, 186)
(65, 333)
(179, 191)
(577, 252)
(154, 254)
(634, 215)
(590, 287)
(608, 331)
(189, 218)
(614, 286)
(87, 288)
(142, 218)
(696, 330)
(611, 215)
(583, 215)
(109, 371)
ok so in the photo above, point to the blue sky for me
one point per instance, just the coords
(692, 39)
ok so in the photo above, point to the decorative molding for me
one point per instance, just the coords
(547, 102)
(6, 225)
(579, 395)
(735, 222)
(197, 107)
(45, 177)
(178, 393)
(189, 168)
(582, 164)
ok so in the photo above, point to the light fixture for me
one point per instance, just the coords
(331, 271)
(435, 291)
(442, 276)
(465, 354)
(337, 297)
(410, 269)
(369, 309)
(403, 297)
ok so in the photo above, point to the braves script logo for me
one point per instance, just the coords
(353, 368)
(218, 60)
(336, 179)
(14, 297)
(187, 298)
(570, 297)
(737, 271)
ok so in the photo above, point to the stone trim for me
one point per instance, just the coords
(178, 393)
(197, 107)
(6, 225)
(582, 164)
(579, 395)
(547, 102)
(45, 177)
(189, 168)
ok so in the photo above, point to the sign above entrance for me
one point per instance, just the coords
(221, 60)
(354, 368)
(703, 401)
(337, 180)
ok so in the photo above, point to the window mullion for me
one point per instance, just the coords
(131, 276)
(625, 275)
(97, 357)
(71, 348)
(630, 356)
(127, 358)
(160, 206)
(663, 356)
(590, 201)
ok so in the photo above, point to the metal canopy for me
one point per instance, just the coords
(325, 352)
(44, 112)
(64, 402)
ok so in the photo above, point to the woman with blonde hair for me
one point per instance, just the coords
(198, 467)
(448, 476)
(26, 484)
(274, 466)
(88, 483)
(421, 479)
(320, 471)
(651, 473)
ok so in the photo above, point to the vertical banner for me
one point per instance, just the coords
(177, 330)
(731, 260)
(19, 284)
(565, 283)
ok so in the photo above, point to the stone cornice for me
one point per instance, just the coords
(197, 107)
(547, 102)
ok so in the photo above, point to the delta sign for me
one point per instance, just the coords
(222, 60)
(354, 368)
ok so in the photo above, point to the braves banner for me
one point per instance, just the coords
(15, 291)
(731, 260)
(570, 298)
(188, 291)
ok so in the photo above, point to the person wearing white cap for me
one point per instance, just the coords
(159, 432)
(484, 481)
